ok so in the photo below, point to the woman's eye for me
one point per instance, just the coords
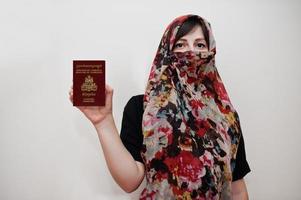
(201, 45)
(179, 45)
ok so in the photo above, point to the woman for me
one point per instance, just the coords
(183, 133)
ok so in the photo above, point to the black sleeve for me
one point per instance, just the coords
(241, 165)
(131, 131)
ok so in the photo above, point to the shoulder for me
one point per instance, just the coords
(135, 105)
(136, 99)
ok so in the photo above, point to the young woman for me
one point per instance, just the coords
(183, 133)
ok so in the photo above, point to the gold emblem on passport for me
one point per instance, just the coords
(89, 85)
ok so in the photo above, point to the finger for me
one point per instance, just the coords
(109, 88)
(71, 98)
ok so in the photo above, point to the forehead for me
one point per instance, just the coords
(195, 33)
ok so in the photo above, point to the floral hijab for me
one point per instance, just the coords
(190, 128)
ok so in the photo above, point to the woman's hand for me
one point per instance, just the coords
(97, 114)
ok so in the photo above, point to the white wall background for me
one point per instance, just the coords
(49, 150)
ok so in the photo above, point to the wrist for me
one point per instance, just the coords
(107, 121)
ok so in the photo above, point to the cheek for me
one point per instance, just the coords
(183, 49)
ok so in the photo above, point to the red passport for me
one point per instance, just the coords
(88, 82)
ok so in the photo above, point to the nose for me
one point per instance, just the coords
(191, 47)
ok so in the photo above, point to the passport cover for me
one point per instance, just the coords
(88, 82)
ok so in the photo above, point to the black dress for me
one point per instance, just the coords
(132, 137)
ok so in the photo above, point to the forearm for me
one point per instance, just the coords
(241, 196)
(121, 164)
(239, 190)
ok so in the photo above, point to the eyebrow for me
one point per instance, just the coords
(195, 39)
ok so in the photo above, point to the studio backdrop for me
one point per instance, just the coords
(48, 148)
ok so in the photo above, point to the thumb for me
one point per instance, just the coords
(109, 95)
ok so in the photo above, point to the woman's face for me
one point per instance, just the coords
(192, 41)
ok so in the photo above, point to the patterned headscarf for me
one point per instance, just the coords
(190, 128)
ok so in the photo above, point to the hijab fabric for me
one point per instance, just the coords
(190, 128)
